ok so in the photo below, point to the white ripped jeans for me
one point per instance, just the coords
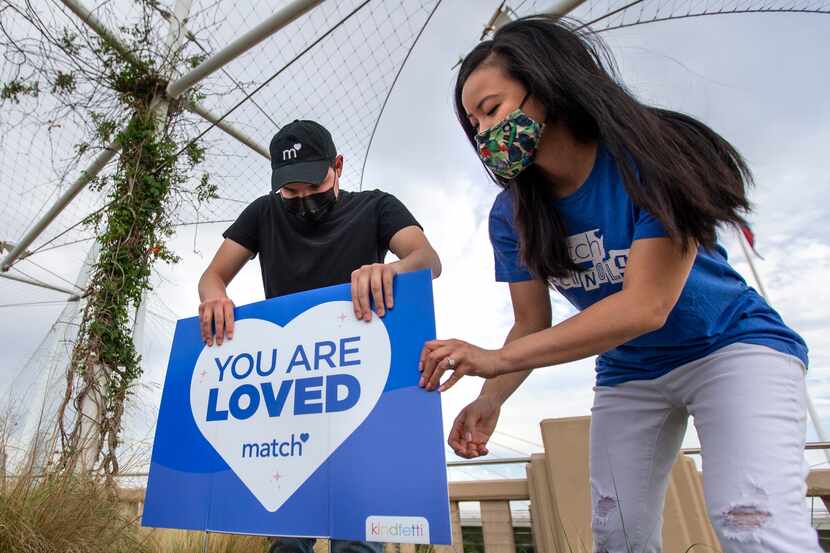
(748, 404)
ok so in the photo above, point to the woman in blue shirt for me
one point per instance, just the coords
(616, 204)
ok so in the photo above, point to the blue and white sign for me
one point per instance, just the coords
(308, 423)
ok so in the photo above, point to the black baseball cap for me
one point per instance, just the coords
(301, 151)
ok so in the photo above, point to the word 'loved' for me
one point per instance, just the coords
(311, 395)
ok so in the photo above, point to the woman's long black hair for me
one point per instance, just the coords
(690, 177)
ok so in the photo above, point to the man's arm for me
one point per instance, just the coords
(215, 307)
(414, 252)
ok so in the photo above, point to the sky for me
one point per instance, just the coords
(756, 79)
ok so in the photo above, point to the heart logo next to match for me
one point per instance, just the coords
(275, 402)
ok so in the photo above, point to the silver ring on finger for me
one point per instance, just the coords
(451, 363)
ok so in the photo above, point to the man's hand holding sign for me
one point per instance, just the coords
(371, 283)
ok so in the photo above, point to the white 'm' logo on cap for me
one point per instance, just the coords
(291, 153)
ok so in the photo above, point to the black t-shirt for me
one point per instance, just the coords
(295, 255)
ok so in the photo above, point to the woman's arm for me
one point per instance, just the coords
(655, 276)
(474, 425)
(654, 279)
(531, 314)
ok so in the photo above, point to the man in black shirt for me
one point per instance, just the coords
(309, 234)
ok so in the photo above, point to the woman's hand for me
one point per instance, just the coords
(459, 357)
(473, 427)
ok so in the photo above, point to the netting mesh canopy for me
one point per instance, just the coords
(341, 82)
(336, 65)
(606, 15)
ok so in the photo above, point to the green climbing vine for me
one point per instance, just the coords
(132, 233)
(122, 101)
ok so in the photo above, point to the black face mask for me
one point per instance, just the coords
(312, 208)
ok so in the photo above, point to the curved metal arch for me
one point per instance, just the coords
(391, 88)
(689, 15)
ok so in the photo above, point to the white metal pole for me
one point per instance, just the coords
(564, 7)
(91, 172)
(139, 324)
(280, 19)
(74, 295)
(177, 32)
(811, 407)
(8, 246)
(504, 14)
(89, 18)
(174, 40)
(97, 164)
(90, 407)
(229, 129)
(745, 248)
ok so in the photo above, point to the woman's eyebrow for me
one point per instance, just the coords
(478, 107)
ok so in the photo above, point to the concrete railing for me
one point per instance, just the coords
(557, 487)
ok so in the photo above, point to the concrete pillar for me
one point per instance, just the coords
(497, 527)
(566, 461)
(457, 541)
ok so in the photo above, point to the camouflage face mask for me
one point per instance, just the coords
(509, 147)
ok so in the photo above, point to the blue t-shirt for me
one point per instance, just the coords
(715, 309)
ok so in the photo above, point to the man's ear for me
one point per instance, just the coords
(338, 165)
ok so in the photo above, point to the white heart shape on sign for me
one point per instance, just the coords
(297, 146)
(276, 402)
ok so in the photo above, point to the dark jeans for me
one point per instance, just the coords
(306, 545)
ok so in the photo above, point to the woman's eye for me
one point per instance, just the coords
(493, 111)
